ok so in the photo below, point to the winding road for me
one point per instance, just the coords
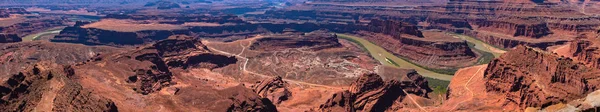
(466, 85)
(244, 66)
(262, 75)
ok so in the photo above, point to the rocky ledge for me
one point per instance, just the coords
(586, 51)
(527, 28)
(150, 67)
(47, 86)
(316, 40)
(371, 93)
(529, 77)
(9, 38)
(394, 28)
(274, 89)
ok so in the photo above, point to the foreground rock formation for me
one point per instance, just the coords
(274, 89)
(47, 86)
(14, 57)
(521, 78)
(371, 93)
(152, 65)
(169, 71)
(548, 79)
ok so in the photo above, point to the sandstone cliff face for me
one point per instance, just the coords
(533, 29)
(576, 27)
(529, 77)
(9, 38)
(32, 26)
(394, 28)
(46, 86)
(5, 13)
(177, 69)
(274, 89)
(243, 99)
(450, 24)
(93, 36)
(180, 18)
(505, 42)
(371, 93)
(96, 36)
(586, 52)
(14, 57)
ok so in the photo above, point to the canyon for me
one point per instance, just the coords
(299, 55)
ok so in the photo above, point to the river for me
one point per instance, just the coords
(32, 37)
(388, 59)
(480, 45)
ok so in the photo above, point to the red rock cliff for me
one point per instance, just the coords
(529, 77)
(533, 29)
(586, 52)
(393, 28)
(9, 38)
(371, 93)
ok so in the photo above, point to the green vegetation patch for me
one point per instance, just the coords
(438, 86)
(391, 62)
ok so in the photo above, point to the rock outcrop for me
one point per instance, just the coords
(316, 40)
(243, 99)
(9, 38)
(93, 36)
(162, 5)
(527, 28)
(152, 65)
(5, 13)
(177, 51)
(32, 25)
(371, 93)
(587, 52)
(179, 18)
(74, 98)
(509, 42)
(529, 77)
(274, 89)
(394, 28)
(46, 86)
(14, 57)
(96, 36)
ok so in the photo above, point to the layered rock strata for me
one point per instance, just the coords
(528, 77)
(586, 51)
(371, 93)
(46, 86)
(315, 40)
(274, 89)
(9, 38)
